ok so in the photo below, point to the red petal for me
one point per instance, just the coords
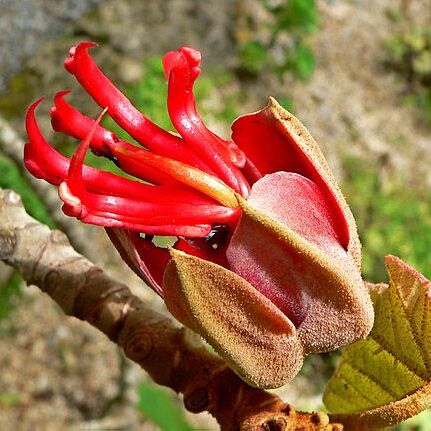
(154, 212)
(275, 141)
(268, 150)
(192, 177)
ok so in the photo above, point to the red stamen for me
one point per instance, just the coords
(74, 178)
(67, 119)
(128, 213)
(43, 161)
(182, 68)
(201, 181)
(154, 212)
(85, 70)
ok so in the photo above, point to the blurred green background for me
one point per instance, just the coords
(358, 74)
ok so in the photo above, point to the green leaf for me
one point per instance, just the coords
(386, 378)
(298, 15)
(253, 56)
(8, 399)
(301, 61)
(9, 291)
(160, 408)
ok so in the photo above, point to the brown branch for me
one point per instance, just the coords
(170, 354)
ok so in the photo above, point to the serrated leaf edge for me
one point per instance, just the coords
(389, 414)
(411, 404)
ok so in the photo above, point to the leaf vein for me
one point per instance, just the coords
(378, 383)
(354, 389)
(409, 319)
(401, 360)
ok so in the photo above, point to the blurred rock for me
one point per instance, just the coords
(26, 24)
(152, 27)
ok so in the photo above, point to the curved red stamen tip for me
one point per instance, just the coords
(33, 106)
(30, 119)
(58, 98)
(193, 58)
(190, 57)
(193, 55)
(69, 63)
(32, 130)
(66, 119)
(60, 94)
(77, 160)
(39, 157)
(169, 61)
(72, 204)
(70, 190)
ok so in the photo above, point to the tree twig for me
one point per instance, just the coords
(170, 354)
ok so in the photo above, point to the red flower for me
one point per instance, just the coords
(266, 262)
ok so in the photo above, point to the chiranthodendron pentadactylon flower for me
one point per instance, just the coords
(266, 265)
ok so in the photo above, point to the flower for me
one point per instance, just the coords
(266, 264)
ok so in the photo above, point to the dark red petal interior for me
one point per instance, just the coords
(143, 257)
(259, 256)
